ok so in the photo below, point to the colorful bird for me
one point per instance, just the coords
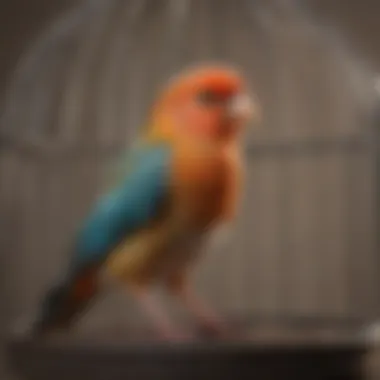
(182, 181)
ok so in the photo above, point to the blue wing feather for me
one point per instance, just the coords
(127, 208)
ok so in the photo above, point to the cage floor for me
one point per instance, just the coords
(260, 352)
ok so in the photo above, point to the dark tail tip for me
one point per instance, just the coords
(65, 301)
(50, 314)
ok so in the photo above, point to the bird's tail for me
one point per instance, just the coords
(66, 301)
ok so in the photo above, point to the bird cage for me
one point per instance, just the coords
(304, 245)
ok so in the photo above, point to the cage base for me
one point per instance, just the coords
(265, 353)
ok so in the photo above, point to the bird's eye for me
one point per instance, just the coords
(207, 97)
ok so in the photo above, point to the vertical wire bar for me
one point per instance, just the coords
(141, 68)
(71, 111)
(284, 173)
(117, 72)
(262, 16)
(11, 175)
(92, 56)
(375, 134)
(248, 48)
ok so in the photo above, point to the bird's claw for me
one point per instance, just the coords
(213, 329)
(216, 329)
(174, 336)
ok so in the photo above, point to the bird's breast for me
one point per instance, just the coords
(202, 184)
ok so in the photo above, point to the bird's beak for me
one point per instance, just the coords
(243, 107)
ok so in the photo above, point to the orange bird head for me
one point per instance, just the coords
(209, 102)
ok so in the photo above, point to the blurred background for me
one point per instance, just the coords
(76, 78)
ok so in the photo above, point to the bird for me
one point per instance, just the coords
(182, 180)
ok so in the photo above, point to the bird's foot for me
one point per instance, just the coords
(211, 328)
(174, 336)
(217, 329)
